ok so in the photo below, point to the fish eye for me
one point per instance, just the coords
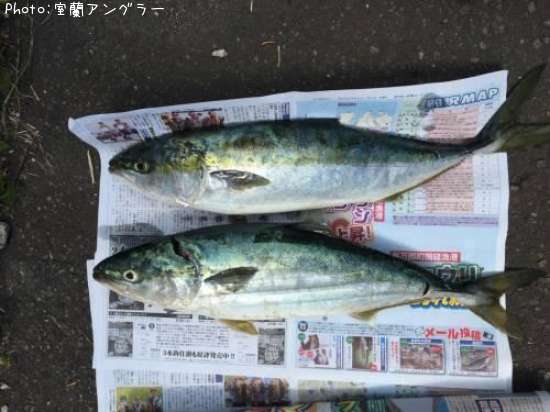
(141, 166)
(130, 276)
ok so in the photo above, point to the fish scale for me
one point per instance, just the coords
(242, 272)
(284, 166)
(300, 164)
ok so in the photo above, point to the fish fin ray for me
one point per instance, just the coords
(503, 282)
(495, 315)
(503, 132)
(316, 227)
(231, 280)
(491, 288)
(527, 135)
(239, 179)
(243, 326)
(367, 315)
(520, 92)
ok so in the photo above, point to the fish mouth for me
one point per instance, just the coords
(101, 276)
(105, 280)
(114, 168)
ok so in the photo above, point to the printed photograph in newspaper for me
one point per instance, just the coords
(422, 355)
(120, 339)
(478, 358)
(179, 121)
(242, 391)
(317, 351)
(139, 399)
(316, 390)
(366, 353)
(271, 346)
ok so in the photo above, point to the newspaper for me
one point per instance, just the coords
(181, 391)
(455, 224)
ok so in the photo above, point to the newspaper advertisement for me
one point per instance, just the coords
(455, 224)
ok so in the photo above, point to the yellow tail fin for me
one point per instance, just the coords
(490, 289)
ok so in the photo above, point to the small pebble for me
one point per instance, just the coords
(4, 387)
(542, 263)
(4, 234)
(220, 53)
(531, 7)
(374, 50)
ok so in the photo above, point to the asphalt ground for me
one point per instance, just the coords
(107, 63)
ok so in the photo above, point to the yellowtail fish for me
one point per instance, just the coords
(269, 167)
(241, 272)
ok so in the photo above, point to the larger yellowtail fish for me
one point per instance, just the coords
(238, 273)
(271, 167)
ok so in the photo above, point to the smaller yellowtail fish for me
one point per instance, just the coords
(243, 272)
(269, 167)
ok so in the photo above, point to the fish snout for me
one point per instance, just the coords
(100, 275)
(112, 166)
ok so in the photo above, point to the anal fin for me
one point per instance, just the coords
(369, 315)
(366, 316)
(243, 326)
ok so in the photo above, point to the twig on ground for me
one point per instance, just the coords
(73, 383)
(36, 97)
(91, 166)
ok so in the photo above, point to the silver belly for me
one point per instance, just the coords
(312, 187)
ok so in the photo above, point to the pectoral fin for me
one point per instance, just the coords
(313, 227)
(231, 280)
(242, 326)
(240, 180)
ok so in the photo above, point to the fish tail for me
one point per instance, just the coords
(488, 291)
(503, 132)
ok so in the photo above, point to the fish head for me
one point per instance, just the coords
(166, 168)
(166, 273)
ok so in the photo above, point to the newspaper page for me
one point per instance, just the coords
(182, 391)
(455, 224)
